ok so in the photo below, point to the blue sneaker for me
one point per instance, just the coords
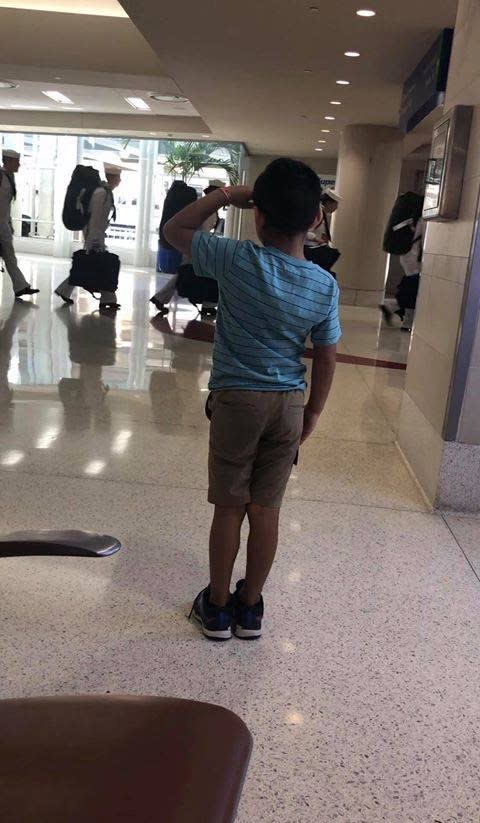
(216, 622)
(247, 619)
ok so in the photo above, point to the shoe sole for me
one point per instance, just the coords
(221, 636)
(247, 634)
(67, 300)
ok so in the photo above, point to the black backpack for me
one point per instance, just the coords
(178, 196)
(399, 235)
(85, 179)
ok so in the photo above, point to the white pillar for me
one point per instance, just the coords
(146, 172)
(16, 142)
(368, 176)
(66, 160)
(45, 158)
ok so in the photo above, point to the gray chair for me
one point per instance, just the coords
(68, 543)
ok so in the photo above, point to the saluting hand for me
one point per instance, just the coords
(240, 196)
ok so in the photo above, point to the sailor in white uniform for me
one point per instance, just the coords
(101, 208)
(8, 192)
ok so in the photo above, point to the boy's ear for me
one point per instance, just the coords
(259, 218)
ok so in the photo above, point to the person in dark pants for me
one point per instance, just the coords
(405, 302)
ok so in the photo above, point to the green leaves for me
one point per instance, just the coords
(188, 158)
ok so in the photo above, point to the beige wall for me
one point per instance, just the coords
(439, 310)
(255, 164)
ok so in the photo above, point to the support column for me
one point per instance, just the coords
(368, 175)
(146, 172)
(66, 160)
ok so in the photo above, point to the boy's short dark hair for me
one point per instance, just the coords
(288, 195)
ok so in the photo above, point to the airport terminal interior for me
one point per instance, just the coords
(362, 695)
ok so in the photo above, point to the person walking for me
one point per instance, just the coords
(178, 196)
(271, 300)
(101, 210)
(405, 301)
(8, 193)
(173, 259)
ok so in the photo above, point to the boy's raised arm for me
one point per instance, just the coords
(180, 229)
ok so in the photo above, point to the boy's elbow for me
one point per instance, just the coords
(326, 352)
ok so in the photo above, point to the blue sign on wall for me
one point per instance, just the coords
(425, 88)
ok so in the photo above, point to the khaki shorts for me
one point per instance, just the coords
(254, 439)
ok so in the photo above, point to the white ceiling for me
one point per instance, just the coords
(96, 99)
(102, 8)
(258, 71)
(265, 71)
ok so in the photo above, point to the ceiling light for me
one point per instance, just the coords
(58, 97)
(168, 98)
(366, 13)
(7, 84)
(335, 103)
(352, 54)
(318, 149)
(329, 117)
(137, 103)
(322, 141)
(30, 108)
(325, 131)
(342, 82)
(57, 78)
(307, 71)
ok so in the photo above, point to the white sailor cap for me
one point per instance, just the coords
(332, 195)
(11, 153)
(111, 168)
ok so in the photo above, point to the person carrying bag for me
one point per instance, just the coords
(93, 267)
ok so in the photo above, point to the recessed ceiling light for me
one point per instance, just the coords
(322, 141)
(30, 108)
(318, 149)
(325, 131)
(335, 103)
(307, 71)
(366, 13)
(69, 108)
(168, 98)
(57, 78)
(58, 97)
(329, 117)
(342, 82)
(137, 103)
(352, 54)
(7, 84)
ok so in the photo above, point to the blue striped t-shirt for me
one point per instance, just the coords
(269, 303)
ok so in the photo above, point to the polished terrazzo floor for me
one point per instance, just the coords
(363, 694)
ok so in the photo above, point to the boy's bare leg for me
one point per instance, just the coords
(224, 546)
(261, 550)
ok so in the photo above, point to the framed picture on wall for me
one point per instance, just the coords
(446, 166)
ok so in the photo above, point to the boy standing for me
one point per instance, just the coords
(271, 300)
